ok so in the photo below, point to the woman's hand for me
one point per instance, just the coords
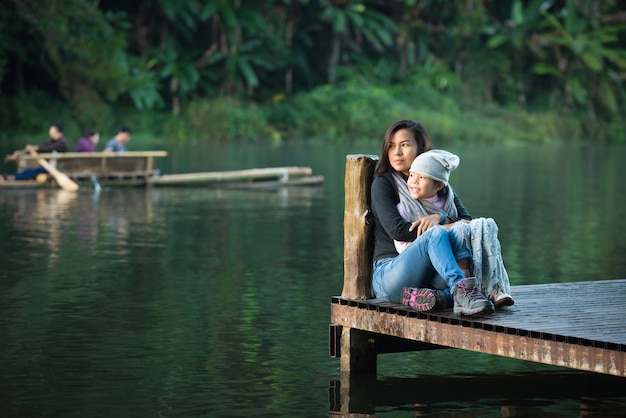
(425, 223)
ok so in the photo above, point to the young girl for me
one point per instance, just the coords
(428, 192)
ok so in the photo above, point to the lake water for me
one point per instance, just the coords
(189, 302)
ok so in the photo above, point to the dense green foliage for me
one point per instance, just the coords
(281, 69)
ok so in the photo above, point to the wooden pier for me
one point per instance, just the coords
(575, 325)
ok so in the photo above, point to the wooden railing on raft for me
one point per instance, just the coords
(538, 328)
(83, 165)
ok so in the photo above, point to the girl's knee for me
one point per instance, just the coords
(460, 231)
(437, 232)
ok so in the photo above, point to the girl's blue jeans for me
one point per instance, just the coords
(434, 252)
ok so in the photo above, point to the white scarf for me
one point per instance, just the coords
(415, 209)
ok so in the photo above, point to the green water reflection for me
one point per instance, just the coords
(208, 302)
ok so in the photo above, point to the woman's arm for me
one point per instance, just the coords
(463, 213)
(384, 200)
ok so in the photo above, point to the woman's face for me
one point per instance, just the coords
(422, 187)
(402, 151)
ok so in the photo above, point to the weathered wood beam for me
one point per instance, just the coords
(88, 155)
(358, 227)
(234, 175)
(554, 352)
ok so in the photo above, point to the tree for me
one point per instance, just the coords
(350, 24)
(84, 49)
(586, 60)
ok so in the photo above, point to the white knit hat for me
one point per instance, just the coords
(435, 164)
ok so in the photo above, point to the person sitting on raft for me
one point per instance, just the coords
(57, 142)
(88, 142)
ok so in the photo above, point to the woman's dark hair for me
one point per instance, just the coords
(90, 133)
(419, 133)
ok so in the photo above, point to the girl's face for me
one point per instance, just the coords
(402, 151)
(422, 187)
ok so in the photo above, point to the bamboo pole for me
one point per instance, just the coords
(358, 227)
(235, 175)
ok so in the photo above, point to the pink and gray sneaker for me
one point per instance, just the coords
(423, 299)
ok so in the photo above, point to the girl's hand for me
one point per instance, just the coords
(425, 223)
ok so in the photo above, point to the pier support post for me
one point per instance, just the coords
(358, 348)
(358, 351)
(358, 228)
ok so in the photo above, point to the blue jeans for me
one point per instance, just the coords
(30, 173)
(434, 252)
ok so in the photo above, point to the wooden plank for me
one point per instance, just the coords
(89, 155)
(274, 184)
(122, 182)
(22, 184)
(232, 176)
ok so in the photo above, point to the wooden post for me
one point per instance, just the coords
(359, 350)
(149, 170)
(358, 228)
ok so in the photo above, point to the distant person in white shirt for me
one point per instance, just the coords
(118, 142)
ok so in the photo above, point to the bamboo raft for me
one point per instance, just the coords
(137, 168)
(251, 178)
(561, 324)
(109, 168)
(22, 184)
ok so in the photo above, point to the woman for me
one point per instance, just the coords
(430, 261)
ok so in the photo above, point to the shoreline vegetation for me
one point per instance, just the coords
(337, 70)
(344, 112)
